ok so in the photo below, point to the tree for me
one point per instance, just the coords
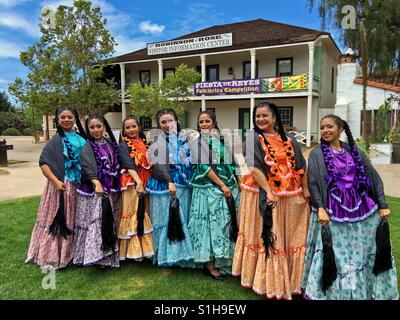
(173, 92)
(66, 64)
(375, 38)
(5, 105)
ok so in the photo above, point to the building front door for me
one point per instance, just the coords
(244, 120)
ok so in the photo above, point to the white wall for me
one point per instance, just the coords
(349, 97)
(328, 99)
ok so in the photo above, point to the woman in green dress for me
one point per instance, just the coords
(212, 223)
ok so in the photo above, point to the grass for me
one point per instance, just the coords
(131, 281)
(10, 162)
(4, 172)
(136, 281)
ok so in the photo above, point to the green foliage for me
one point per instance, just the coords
(5, 105)
(28, 132)
(172, 92)
(362, 145)
(381, 117)
(394, 135)
(66, 64)
(13, 120)
(11, 132)
(381, 23)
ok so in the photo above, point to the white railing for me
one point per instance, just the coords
(301, 136)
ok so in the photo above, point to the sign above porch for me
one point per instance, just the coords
(246, 86)
(190, 44)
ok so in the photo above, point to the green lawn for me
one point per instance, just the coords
(131, 281)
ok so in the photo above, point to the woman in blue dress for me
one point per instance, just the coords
(170, 155)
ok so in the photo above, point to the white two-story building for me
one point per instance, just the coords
(294, 67)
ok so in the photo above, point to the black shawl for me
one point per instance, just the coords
(255, 158)
(125, 159)
(52, 155)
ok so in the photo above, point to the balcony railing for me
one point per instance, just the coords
(295, 83)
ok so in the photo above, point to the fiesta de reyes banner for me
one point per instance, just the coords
(246, 86)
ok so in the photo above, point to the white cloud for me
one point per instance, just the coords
(151, 28)
(116, 19)
(126, 45)
(4, 81)
(10, 49)
(16, 21)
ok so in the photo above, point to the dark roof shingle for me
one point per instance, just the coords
(247, 34)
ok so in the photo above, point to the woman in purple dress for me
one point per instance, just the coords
(98, 198)
(348, 253)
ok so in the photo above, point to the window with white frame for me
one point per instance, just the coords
(284, 67)
(247, 69)
(286, 116)
(144, 77)
(146, 123)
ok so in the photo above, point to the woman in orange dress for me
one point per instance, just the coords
(135, 229)
(273, 210)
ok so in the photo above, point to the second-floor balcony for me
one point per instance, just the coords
(296, 85)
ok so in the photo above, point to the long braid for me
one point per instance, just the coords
(363, 182)
(81, 131)
(361, 179)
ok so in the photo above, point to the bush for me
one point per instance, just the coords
(362, 145)
(11, 132)
(27, 132)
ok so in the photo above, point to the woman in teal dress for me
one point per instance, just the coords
(169, 154)
(52, 244)
(212, 226)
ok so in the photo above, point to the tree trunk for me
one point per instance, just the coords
(364, 61)
(47, 127)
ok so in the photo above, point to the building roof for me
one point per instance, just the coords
(390, 82)
(247, 34)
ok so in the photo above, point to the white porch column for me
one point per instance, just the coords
(310, 90)
(253, 75)
(252, 104)
(160, 70)
(203, 78)
(253, 63)
(123, 114)
(203, 67)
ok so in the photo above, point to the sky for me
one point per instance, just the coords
(133, 24)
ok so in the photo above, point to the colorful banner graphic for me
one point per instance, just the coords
(246, 86)
(299, 82)
(228, 87)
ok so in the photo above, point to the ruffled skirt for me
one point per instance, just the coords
(209, 227)
(44, 249)
(132, 246)
(88, 238)
(354, 247)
